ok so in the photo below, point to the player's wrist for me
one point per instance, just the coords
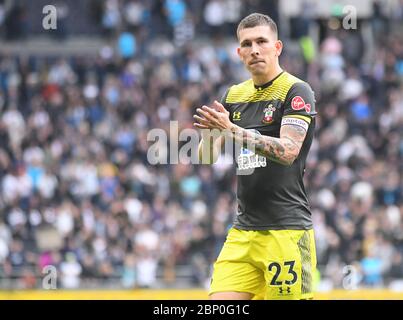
(232, 130)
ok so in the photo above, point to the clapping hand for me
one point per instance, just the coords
(212, 117)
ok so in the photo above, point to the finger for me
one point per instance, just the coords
(201, 120)
(219, 106)
(206, 113)
(200, 126)
(213, 106)
(211, 111)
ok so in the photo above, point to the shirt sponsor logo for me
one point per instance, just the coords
(247, 160)
(297, 103)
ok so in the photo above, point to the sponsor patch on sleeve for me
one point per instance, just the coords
(298, 103)
(294, 121)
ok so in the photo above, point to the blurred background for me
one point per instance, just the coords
(76, 104)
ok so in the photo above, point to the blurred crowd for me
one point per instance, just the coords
(78, 192)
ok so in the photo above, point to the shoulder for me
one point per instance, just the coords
(238, 92)
(294, 83)
(297, 87)
(300, 97)
(301, 88)
(289, 79)
(245, 85)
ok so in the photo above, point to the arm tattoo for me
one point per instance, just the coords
(283, 150)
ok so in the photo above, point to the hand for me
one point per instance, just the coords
(213, 117)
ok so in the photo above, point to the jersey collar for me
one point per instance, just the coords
(267, 84)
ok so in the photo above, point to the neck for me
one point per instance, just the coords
(265, 78)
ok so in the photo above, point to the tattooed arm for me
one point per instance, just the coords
(283, 150)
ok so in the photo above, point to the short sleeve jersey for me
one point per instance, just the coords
(272, 195)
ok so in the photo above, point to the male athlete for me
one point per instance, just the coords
(269, 252)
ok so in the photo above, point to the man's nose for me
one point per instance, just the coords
(255, 49)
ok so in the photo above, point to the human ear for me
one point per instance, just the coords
(279, 47)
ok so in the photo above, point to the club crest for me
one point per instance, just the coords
(268, 114)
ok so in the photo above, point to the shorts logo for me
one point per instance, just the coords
(268, 114)
(297, 103)
(284, 291)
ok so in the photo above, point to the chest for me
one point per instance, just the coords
(264, 116)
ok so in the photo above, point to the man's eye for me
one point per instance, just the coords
(245, 45)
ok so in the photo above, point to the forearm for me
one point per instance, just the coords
(280, 150)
